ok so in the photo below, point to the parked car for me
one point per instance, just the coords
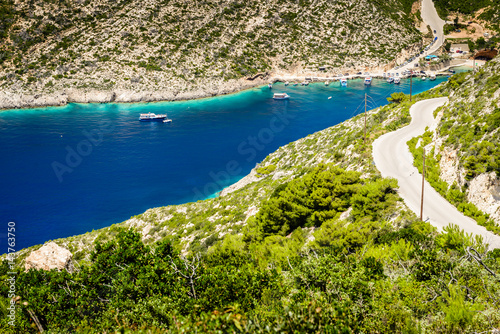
(359, 73)
(434, 31)
(416, 65)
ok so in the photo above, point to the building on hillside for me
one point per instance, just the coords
(459, 47)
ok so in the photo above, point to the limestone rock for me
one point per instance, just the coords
(50, 256)
(484, 192)
(450, 167)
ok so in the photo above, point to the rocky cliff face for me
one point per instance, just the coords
(451, 169)
(91, 51)
(50, 256)
(484, 192)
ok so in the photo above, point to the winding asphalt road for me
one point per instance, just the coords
(393, 158)
(432, 19)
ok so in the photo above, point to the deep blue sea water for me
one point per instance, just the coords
(68, 170)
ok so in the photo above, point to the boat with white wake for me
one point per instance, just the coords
(281, 96)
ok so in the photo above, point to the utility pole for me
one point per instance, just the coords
(423, 179)
(365, 119)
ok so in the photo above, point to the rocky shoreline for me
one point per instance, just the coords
(18, 99)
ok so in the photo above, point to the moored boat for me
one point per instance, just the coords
(287, 83)
(368, 81)
(151, 117)
(343, 82)
(424, 78)
(397, 80)
(270, 85)
(390, 80)
(281, 96)
(327, 83)
(432, 77)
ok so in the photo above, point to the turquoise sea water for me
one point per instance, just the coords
(68, 170)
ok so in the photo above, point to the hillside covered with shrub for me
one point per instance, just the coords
(175, 47)
(315, 241)
(368, 271)
(463, 155)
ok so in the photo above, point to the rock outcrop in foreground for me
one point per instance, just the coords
(50, 256)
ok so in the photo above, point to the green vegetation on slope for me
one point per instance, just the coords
(368, 272)
(490, 11)
(462, 6)
(453, 193)
(46, 45)
(469, 126)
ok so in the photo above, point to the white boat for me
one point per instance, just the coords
(397, 80)
(424, 78)
(329, 97)
(390, 80)
(327, 83)
(343, 82)
(432, 77)
(151, 117)
(281, 96)
(305, 83)
(368, 81)
(167, 121)
(287, 83)
(270, 86)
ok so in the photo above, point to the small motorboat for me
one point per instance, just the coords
(287, 83)
(151, 117)
(167, 120)
(397, 80)
(329, 97)
(295, 83)
(390, 80)
(281, 96)
(327, 83)
(368, 81)
(343, 82)
(424, 78)
(270, 85)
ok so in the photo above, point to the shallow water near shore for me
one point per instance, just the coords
(68, 170)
